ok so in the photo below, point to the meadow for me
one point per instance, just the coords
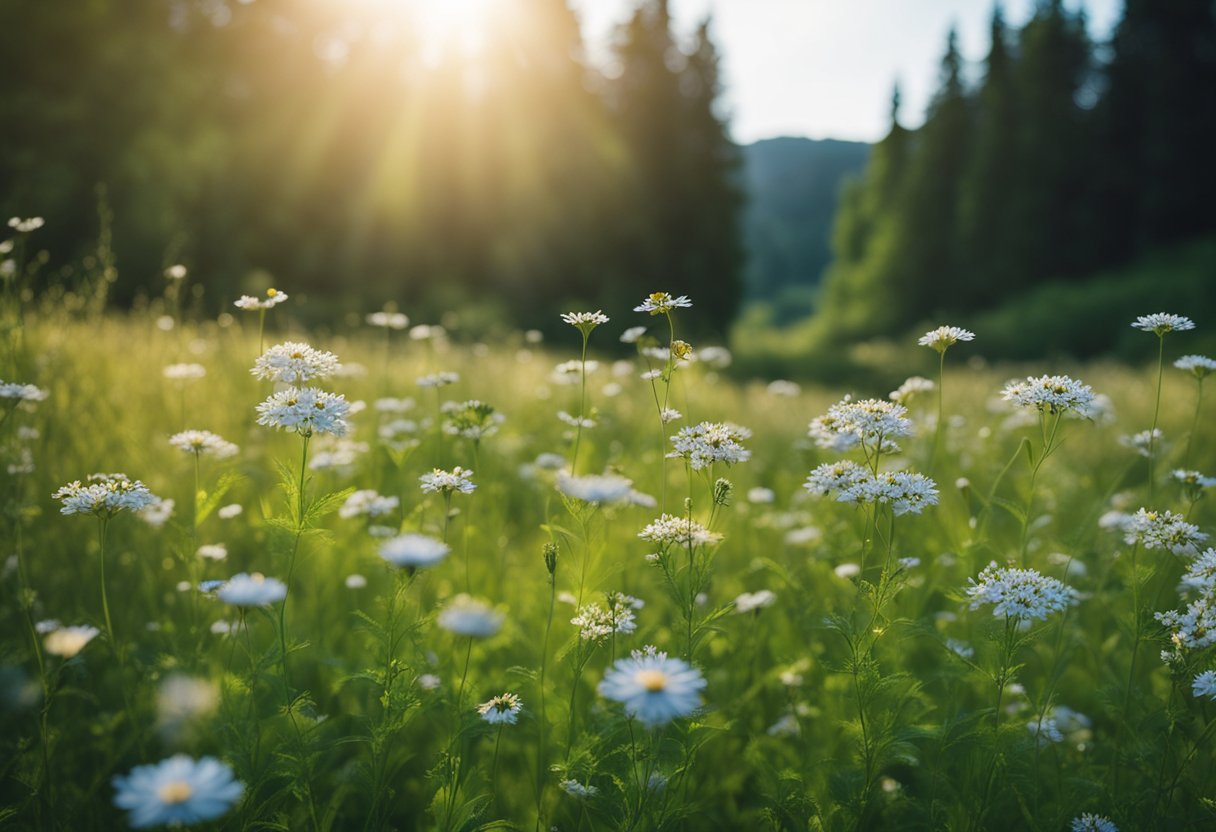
(939, 613)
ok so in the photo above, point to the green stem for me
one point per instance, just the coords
(1152, 433)
(1190, 438)
(582, 409)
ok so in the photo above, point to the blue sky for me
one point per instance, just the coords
(825, 68)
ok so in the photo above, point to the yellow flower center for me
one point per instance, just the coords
(271, 292)
(652, 680)
(297, 354)
(178, 791)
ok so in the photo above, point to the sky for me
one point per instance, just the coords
(825, 69)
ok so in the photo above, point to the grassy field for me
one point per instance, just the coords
(865, 693)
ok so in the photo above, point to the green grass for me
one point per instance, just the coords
(838, 707)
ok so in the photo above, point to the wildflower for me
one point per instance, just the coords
(841, 477)
(1193, 479)
(293, 361)
(1045, 730)
(783, 388)
(961, 648)
(661, 303)
(471, 420)
(203, 442)
(1050, 394)
(273, 298)
(709, 442)
(631, 335)
(1194, 627)
(305, 410)
(446, 482)
(213, 551)
(871, 421)
(1019, 593)
(576, 421)
(181, 699)
(945, 337)
(388, 320)
(367, 503)
(577, 789)
(585, 322)
(905, 491)
(1163, 322)
(669, 529)
(21, 392)
(572, 372)
(754, 601)
(501, 710)
(760, 495)
(414, 551)
(355, 581)
(66, 642)
(1205, 685)
(157, 513)
(25, 226)
(595, 488)
(847, 570)
(256, 590)
(229, 511)
(442, 379)
(1142, 441)
(596, 623)
(669, 415)
(911, 388)
(1163, 530)
(1093, 823)
(718, 358)
(185, 372)
(176, 791)
(176, 272)
(105, 495)
(653, 688)
(468, 616)
(1198, 365)
(1201, 574)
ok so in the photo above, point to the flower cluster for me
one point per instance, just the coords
(1142, 441)
(911, 388)
(669, 529)
(1162, 530)
(1194, 627)
(441, 379)
(871, 422)
(293, 361)
(21, 392)
(1019, 593)
(203, 442)
(104, 495)
(1163, 322)
(306, 411)
(1049, 394)
(1197, 365)
(595, 488)
(184, 372)
(471, 420)
(709, 442)
(596, 623)
(904, 491)
(414, 551)
(653, 688)
(467, 616)
(1201, 573)
(256, 590)
(754, 601)
(1089, 822)
(945, 337)
(446, 482)
(368, 502)
(661, 303)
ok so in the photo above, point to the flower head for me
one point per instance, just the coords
(293, 361)
(203, 442)
(1163, 530)
(709, 442)
(414, 551)
(21, 392)
(184, 372)
(595, 488)
(653, 688)
(66, 642)
(1019, 593)
(388, 320)
(1160, 323)
(177, 791)
(751, 601)
(1049, 394)
(472, 419)
(104, 495)
(911, 388)
(501, 710)
(446, 482)
(1194, 627)
(468, 616)
(670, 529)
(577, 789)
(273, 298)
(944, 337)
(660, 303)
(305, 410)
(256, 590)
(584, 322)
(368, 503)
(441, 379)
(1204, 685)
(1198, 365)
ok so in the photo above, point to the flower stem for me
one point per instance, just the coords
(1152, 433)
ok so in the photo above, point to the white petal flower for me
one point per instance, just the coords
(653, 688)
(177, 791)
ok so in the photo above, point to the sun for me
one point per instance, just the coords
(443, 20)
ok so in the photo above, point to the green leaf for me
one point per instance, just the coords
(327, 504)
(1013, 508)
(205, 503)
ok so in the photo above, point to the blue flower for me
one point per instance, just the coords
(179, 790)
(254, 590)
(653, 688)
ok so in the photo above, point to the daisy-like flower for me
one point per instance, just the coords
(945, 337)
(472, 419)
(1019, 593)
(595, 488)
(584, 322)
(273, 298)
(501, 710)
(184, 372)
(305, 410)
(66, 642)
(1160, 323)
(467, 616)
(441, 379)
(669, 529)
(631, 335)
(1204, 685)
(388, 320)
(1163, 530)
(752, 601)
(21, 392)
(914, 386)
(709, 442)
(104, 495)
(579, 790)
(660, 303)
(177, 791)
(457, 480)
(1142, 441)
(294, 361)
(1197, 365)
(414, 551)
(368, 503)
(1090, 822)
(203, 442)
(256, 590)
(1049, 394)
(1193, 479)
(653, 688)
